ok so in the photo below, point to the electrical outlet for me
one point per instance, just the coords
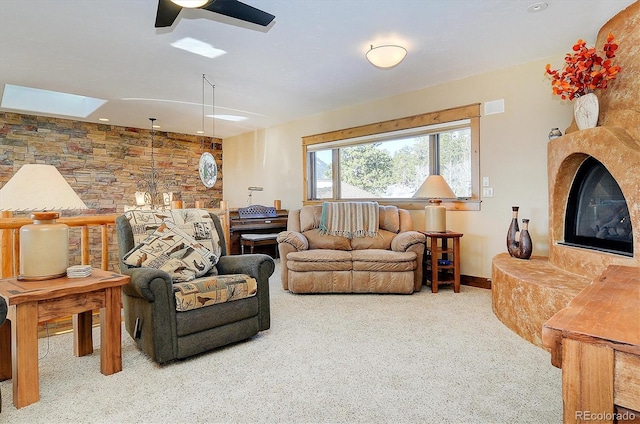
(487, 192)
(485, 181)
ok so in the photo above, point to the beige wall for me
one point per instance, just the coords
(513, 154)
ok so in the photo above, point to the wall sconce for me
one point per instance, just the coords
(44, 245)
(435, 188)
(386, 56)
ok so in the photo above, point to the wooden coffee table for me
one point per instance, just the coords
(33, 302)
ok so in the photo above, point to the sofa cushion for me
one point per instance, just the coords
(211, 290)
(172, 250)
(382, 241)
(324, 241)
(389, 218)
(310, 217)
(319, 260)
(383, 260)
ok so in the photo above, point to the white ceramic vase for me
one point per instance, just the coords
(585, 111)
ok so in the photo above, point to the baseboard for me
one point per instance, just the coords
(480, 282)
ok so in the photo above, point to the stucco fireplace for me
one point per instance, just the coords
(526, 293)
(619, 153)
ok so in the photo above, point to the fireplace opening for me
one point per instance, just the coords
(597, 213)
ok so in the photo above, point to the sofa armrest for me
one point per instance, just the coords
(412, 241)
(258, 266)
(405, 240)
(255, 265)
(295, 239)
(145, 282)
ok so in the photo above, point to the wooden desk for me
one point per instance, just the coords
(449, 270)
(596, 342)
(32, 302)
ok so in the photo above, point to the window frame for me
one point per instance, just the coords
(469, 112)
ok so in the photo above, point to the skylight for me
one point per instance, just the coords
(35, 100)
(198, 47)
(232, 118)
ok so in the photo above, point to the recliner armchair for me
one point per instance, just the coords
(167, 319)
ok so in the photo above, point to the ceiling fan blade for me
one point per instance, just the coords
(167, 13)
(238, 10)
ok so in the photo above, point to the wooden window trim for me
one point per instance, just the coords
(471, 112)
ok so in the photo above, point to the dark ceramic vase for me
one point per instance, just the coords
(519, 244)
(513, 233)
(526, 246)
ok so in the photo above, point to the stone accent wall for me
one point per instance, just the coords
(107, 164)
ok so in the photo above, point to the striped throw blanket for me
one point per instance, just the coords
(350, 219)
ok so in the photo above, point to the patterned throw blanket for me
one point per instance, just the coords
(350, 219)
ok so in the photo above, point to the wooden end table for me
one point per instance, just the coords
(441, 260)
(596, 342)
(33, 302)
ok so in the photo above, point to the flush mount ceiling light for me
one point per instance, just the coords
(386, 56)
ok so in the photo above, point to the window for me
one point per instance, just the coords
(390, 165)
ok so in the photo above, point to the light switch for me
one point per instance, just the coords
(485, 181)
(487, 192)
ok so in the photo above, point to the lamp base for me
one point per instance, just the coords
(435, 217)
(44, 248)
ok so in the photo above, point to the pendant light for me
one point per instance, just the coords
(207, 165)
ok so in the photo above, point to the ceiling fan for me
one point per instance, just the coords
(168, 11)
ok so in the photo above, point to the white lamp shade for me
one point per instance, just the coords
(38, 187)
(44, 245)
(386, 56)
(435, 187)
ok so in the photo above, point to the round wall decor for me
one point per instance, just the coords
(208, 170)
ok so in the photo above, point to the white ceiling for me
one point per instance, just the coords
(309, 60)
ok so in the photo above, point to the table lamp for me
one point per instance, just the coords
(44, 245)
(435, 188)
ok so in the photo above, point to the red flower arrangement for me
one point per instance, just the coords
(584, 70)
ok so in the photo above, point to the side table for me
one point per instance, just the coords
(596, 342)
(33, 302)
(442, 263)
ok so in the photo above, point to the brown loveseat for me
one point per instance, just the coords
(315, 262)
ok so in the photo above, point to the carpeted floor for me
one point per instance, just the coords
(421, 358)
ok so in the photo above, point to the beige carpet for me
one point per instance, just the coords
(421, 358)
